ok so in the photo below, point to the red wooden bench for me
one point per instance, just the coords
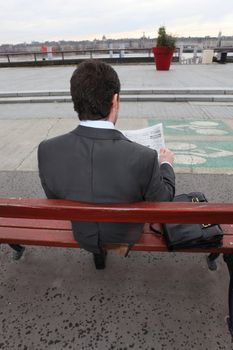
(44, 222)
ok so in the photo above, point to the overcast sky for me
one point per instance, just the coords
(28, 20)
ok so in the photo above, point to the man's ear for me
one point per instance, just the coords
(114, 109)
(115, 101)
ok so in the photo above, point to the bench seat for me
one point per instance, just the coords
(58, 233)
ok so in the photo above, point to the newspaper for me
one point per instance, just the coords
(151, 137)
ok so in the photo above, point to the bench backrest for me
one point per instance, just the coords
(160, 212)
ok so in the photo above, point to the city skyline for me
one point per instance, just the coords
(54, 20)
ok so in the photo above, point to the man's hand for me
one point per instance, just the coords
(165, 155)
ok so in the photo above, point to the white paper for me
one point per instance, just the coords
(151, 137)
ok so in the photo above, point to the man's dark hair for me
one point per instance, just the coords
(92, 87)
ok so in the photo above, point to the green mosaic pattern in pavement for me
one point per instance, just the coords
(203, 153)
(200, 145)
(194, 127)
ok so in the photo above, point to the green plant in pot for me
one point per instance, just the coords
(164, 49)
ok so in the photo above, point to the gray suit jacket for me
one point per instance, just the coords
(103, 166)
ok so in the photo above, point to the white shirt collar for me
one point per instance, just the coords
(102, 124)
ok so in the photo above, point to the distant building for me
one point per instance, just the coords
(188, 43)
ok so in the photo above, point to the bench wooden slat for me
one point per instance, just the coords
(58, 238)
(43, 237)
(153, 243)
(64, 238)
(45, 224)
(168, 212)
(32, 223)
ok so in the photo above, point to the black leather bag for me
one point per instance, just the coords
(182, 236)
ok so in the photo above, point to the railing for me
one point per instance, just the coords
(196, 59)
(222, 49)
(66, 56)
(12, 57)
(191, 60)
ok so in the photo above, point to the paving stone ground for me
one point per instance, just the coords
(131, 76)
(213, 154)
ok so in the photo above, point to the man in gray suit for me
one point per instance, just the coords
(96, 163)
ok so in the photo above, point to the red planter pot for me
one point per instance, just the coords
(163, 57)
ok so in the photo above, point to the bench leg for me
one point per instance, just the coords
(211, 261)
(18, 251)
(228, 258)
